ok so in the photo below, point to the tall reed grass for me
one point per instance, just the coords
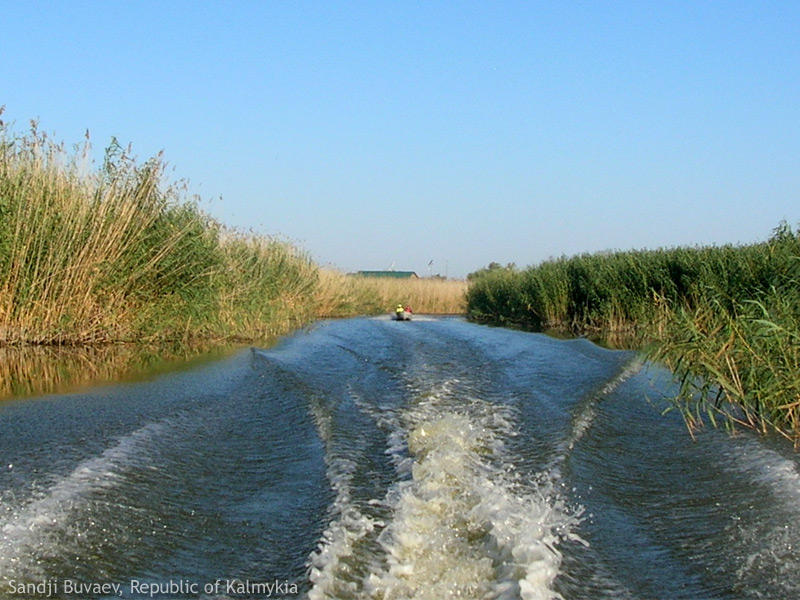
(725, 319)
(343, 295)
(117, 254)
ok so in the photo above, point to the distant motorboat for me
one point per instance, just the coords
(402, 315)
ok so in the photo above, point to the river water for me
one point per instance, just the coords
(372, 459)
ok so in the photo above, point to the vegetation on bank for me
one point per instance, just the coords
(117, 254)
(341, 295)
(725, 319)
(93, 255)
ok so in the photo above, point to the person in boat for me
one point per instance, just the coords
(408, 309)
(398, 312)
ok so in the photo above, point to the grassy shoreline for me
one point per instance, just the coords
(110, 271)
(725, 320)
(117, 254)
(120, 255)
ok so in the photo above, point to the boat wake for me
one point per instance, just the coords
(44, 527)
(586, 414)
(460, 522)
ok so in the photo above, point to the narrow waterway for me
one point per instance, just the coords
(373, 459)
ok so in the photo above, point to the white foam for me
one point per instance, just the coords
(460, 522)
(769, 468)
(331, 564)
(464, 525)
(583, 421)
(28, 527)
(768, 540)
(331, 572)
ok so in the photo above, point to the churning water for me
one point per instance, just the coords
(371, 459)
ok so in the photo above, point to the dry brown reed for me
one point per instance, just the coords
(343, 295)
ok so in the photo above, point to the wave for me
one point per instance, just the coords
(586, 413)
(766, 542)
(35, 528)
(333, 566)
(460, 522)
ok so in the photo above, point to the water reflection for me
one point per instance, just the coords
(37, 370)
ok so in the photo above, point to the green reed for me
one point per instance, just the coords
(725, 319)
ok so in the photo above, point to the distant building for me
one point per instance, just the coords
(390, 274)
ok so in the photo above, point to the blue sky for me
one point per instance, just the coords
(379, 134)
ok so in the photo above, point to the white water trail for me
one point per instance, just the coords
(465, 525)
(28, 531)
(460, 522)
(332, 566)
(769, 541)
(584, 419)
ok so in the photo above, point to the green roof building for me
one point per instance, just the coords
(391, 274)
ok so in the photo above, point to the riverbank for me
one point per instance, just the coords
(726, 319)
(121, 255)
(109, 272)
(118, 254)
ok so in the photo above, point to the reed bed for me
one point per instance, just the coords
(343, 295)
(116, 254)
(725, 319)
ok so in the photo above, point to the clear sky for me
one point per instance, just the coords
(379, 134)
